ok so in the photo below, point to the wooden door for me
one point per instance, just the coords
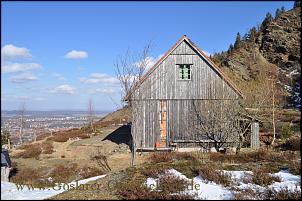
(163, 123)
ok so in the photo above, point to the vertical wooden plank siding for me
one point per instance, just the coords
(163, 84)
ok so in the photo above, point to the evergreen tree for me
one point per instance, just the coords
(297, 4)
(282, 9)
(277, 14)
(253, 34)
(237, 43)
(231, 48)
(268, 18)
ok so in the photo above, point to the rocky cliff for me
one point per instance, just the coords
(276, 43)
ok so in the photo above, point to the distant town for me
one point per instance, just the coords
(36, 123)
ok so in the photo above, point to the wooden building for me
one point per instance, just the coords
(184, 100)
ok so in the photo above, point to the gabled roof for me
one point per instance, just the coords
(200, 53)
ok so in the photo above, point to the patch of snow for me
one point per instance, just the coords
(203, 189)
(9, 191)
(152, 183)
(287, 181)
(238, 175)
(209, 190)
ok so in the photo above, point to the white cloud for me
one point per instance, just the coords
(64, 89)
(38, 99)
(105, 90)
(59, 76)
(74, 54)
(95, 78)
(149, 61)
(9, 67)
(23, 77)
(9, 52)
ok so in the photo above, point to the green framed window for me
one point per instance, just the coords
(184, 71)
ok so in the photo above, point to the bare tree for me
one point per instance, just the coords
(130, 67)
(274, 93)
(263, 96)
(21, 121)
(217, 122)
(91, 114)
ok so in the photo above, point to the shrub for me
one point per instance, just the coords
(138, 191)
(102, 162)
(169, 156)
(172, 184)
(263, 178)
(63, 173)
(255, 156)
(42, 136)
(286, 131)
(161, 157)
(30, 176)
(64, 136)
(292, 144)
(210, 173)
(153, 171)
(245, 194)
(87, 172)
(47, 147)
(295, 167)
(30, 151)
(282, 194)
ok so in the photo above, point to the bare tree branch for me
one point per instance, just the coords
(130, 67)
(91, 114)
(21, 121)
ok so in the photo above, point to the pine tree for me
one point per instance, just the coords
(297, 4)
(253, 34)
(268, 18)
(282, 9)
(231, 48)
(237, 43)
(277, 14)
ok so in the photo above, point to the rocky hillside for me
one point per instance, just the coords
(273, 44)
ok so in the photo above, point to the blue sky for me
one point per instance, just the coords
(57, 55)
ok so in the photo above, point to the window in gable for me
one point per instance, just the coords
(184, 71)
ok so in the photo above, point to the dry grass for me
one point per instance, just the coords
(47, 147)
(43, 136)
(35, 150)
(169, 156)
(64, 173)
(87, 172)
(64, 136)
(30, 151)
(256, 156)
(30, 176)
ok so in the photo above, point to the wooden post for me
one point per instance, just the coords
(133, 154)
(255, 142)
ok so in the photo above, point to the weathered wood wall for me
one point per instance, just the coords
(163, 84)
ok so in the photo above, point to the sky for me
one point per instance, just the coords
(58, 55)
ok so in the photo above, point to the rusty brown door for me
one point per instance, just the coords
(163, 123)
